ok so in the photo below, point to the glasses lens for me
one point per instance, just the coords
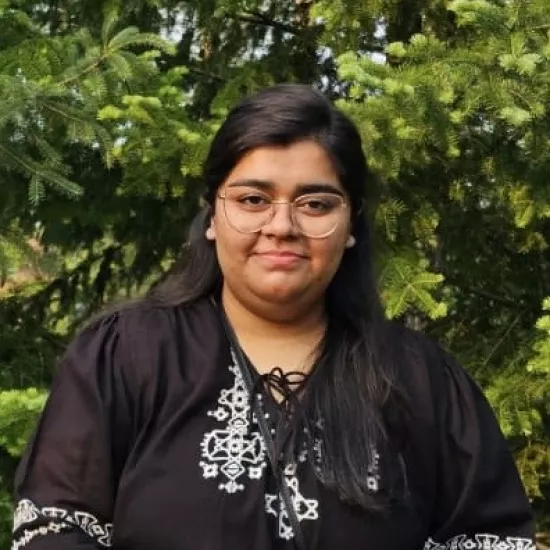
(318, 215)
(247, 212)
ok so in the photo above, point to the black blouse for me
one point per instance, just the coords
(147, 442)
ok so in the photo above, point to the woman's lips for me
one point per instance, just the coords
(277, 258)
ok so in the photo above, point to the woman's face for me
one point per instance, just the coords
(278, 264)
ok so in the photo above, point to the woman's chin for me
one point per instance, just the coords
(274, 292)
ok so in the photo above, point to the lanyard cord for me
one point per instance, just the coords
(282, 483)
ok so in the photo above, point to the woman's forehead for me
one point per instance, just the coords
(285, 168)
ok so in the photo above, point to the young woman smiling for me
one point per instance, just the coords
(258, 398)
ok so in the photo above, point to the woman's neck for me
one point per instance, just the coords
(288, 344)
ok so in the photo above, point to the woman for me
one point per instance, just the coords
(258, 399)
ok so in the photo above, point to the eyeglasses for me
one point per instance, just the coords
(315, 215)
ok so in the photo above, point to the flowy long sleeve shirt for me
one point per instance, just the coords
(147, 442)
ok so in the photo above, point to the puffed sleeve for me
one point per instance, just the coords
(481, 501)
(66, 482)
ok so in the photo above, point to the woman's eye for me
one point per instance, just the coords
(253, 200)
(316, 205)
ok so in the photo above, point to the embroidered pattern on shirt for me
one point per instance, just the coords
(233, 452)
(306, 508)
(59, 519)
(236, 452)
(29, 534)
(482, 541)
(373, 472)
(373, 469)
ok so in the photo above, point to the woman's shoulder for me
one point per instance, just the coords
(414, 345)
(130, 335)
(144, 316)
(423, 363)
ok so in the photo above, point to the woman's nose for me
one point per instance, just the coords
(282, 221)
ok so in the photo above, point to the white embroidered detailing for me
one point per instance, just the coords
(28, 512)
(373, 472)
(482, 541)
(306, 508)
(30, 534)
(233, 451)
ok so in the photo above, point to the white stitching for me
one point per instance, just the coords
(60, 519)
(482, 541)
(30, 534)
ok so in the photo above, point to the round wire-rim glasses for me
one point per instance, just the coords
(249, 217)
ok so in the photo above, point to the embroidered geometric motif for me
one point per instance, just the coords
(30, 534)
(306, 508)
(373, 469)
(61, 519)
(482, 541)
(234, 451)
(373, 472)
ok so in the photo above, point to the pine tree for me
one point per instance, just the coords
(106, 112)
(457, 126)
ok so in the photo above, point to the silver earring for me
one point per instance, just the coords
(350, 243)
(209, 234)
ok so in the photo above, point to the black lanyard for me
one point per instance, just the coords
(282, 484)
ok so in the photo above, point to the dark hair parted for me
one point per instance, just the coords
(354, 381)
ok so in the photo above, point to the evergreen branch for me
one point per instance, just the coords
(62, 113)
(27, 167)
(522, 99)
(87, 70)
(127, 37)
(131, 36)
(110, 21)
(503, 338)
(35, 171)
(64, 184)
(36, 190)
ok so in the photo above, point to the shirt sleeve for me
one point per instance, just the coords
(65, 484)
(481, 501)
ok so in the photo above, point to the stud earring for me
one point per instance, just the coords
(350, 243)
(210, 235)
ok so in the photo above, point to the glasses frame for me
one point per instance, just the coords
(291, 203)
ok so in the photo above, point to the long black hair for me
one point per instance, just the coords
(354, 381)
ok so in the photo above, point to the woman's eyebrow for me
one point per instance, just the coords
(306, 188)
(301, 189)
(261, 184)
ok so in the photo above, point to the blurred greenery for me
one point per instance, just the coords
(106, 112)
